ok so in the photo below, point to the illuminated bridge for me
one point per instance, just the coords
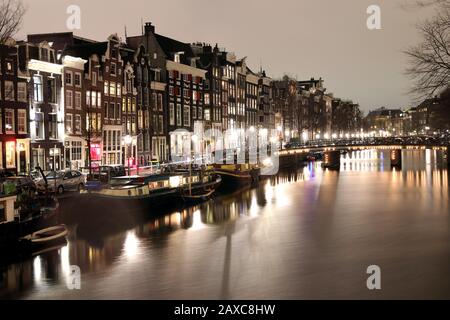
(332, 151)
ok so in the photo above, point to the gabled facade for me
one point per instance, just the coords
(14, 113)
(149, 65)
(185, 86)
(46, 108)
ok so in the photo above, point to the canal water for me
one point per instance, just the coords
(305, 233)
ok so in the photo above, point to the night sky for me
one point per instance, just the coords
(303, 38)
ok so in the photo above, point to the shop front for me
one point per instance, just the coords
(15, 155)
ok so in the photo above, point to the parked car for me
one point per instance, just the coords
(61, 181)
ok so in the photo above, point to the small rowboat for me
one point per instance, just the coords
(46, 235)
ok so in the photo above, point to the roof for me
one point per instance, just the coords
(383, 112)
(86, 50)
(171, 46)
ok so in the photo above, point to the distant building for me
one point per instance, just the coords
(433, 115)
(384, 121)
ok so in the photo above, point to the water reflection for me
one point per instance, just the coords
(277, 240)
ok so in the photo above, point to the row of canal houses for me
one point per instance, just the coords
(68, 101)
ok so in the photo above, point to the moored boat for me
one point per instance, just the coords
(155, 191)
(202, 185)
(19, 217)
(46, 236)
(237, 174)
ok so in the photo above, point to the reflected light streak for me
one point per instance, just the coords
(197, 223)
(65, 261)
(37, 270)
(131, 245)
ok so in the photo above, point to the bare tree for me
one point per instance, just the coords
(11, 16)
(429, 61)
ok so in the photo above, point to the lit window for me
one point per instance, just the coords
(9, 120)
(10, 154)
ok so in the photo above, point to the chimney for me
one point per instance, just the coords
(149, 28)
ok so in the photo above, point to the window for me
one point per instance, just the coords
(154, 102)
(112, 89)
(53, 126)
(94, 98)
(155, 124)
(22, 91)
(119, 90)
(9, 90)
(22, 121)
(113, 69)
(51, 87)
(200, 113)
(69, 123)
(106, 91)
(99, 121)
(160, 102)
(9, 67)
(161, 124)
(146, 96)
(10, 147)
(124, 105)
(207, 115)
(68, 77)
(171, 90)
(145, 75)
(99, 99)
(78, 79)
(134, 125)
(39, 125)
(78, 100)
(77, 124)
(140, 119)
(111, 111)
(69, 99)
(44, 54)
(94, 78)
(186, 116)
(9, 121)
(117, 112)
(178, 115)
(172, 114)
(186, 93)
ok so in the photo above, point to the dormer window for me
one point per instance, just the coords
(176, 58)
(44, 54)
